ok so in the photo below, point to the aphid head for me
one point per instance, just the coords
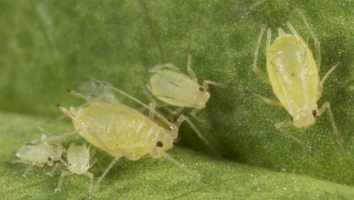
(304, 118)
(201, 98)
(162, 143)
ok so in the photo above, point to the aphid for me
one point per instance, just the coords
(293, 75)
(78, 162)
(122, 131)
(172, 87)
(38, 155)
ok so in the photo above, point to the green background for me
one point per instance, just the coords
(47, 46)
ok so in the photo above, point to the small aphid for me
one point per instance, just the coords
(38, 155)
(78, 162)
(293, 75)
(174, 88)
(122, 131)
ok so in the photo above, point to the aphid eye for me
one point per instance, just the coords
(201, 89)
(314, 113)
(50, 159)
(292, 118)
(159, 144)
(70, 164)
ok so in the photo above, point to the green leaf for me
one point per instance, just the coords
(47, 46)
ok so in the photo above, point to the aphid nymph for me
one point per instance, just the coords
(122, 131)
(78, 162)
(293, 75)
(38, 155)
(175, 88)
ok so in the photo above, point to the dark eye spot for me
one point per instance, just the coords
(201, 89)
(314, 113)
(292, 118)
(50, 158)
(159, 144)
(70, 164)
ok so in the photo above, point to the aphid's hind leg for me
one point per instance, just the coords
(317, 43)
(265, 99)
(182, 118)
(280, 125)
(327, 106)
(92, 190)
(256, 52)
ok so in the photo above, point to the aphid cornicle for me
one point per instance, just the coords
(78, 162)
(293, 75)
(39, 155)
(174, 88)
(122, 131)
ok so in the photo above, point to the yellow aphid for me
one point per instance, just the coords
(78, 162)
(122, 131)
(174, 88)
(293, 75)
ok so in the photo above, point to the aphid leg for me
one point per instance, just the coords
(92, 190)
(327, 106)
(88, 174)
(159, 67)
(182, 118)
(27, 170)
(328, 73)
(65, 173)
(190, 71)
(279, 126)
(317, 43)
(65, 111)
(194, 113)
(59, 136)
(206, 84)
(171, 159)
(53, 170)
(257, 3)
(256, 52)
(265, 99)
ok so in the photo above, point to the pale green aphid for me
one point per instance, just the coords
(175, 88)
(122, 131)
(293, 75)
(78, 162)
(39, 155)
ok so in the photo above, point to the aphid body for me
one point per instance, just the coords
(78, 162)
(293, 75)
(121, 131)
(38, 155)
(175, 88)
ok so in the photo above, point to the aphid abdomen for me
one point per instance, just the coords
(174, 88)
(120, 128)
(293, 74)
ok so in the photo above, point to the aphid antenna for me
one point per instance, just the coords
(60, 136)
(171, 159)
(172, 126)
(72, 92)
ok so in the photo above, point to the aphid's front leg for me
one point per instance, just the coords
(327, 106)
(280, 125)
(53, 170)
(265, 99)
(182, 118)
(65, 173)
(27, 170)
(256, 52)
